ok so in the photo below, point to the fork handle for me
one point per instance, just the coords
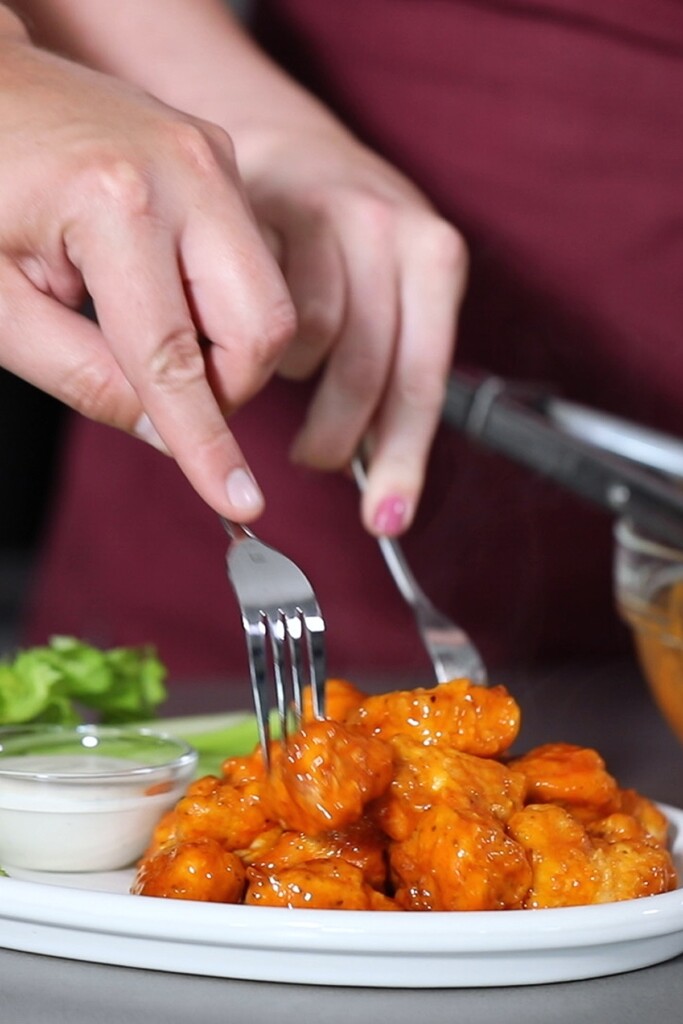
(410, 589)
(236, 531)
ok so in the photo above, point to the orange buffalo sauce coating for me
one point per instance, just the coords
(197, 869)
(407, 801)
(341, 698)
(473, 719)
(326, 776)
(332, 884)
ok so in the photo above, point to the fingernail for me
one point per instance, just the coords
(390, 516)
(243, 491)
(146, 431)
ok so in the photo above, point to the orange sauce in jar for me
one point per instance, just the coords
(658, 636)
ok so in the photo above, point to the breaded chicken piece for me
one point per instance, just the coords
(560, 854)
(360, 844)
(617, 827)
(199, 869)
(654, 822)
(238, 771)
(341, 698)
(214, 809)
(630, 868)
(475, 719)
(164, 834)
(571, 776)
(610, 859)
(428, 775)
(317, 884)
(459, 861)
(325, 776)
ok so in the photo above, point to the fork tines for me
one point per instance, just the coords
(284, 629)
(286, 653)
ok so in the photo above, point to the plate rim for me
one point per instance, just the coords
(453, 931)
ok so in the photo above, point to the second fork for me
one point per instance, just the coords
(452, 653)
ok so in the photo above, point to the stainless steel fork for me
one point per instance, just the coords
(450, 649)
(284, 629)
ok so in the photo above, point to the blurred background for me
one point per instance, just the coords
(30, 430)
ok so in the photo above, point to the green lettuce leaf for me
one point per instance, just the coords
(25, 690)
(57, 682)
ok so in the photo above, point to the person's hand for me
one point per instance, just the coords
(377, 279)
(107, 191)
(376, 276)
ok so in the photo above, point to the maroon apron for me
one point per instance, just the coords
(551, 133)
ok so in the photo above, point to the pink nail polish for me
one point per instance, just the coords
(390, 516)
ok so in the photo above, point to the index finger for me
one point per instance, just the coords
(433, 269)
(129, 259)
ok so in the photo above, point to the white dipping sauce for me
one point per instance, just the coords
(79, 823)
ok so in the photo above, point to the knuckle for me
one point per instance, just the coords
(88, 389)
(177, 362)
(422, 389)
(210, 444)
(319, 199)
(361, 376)
(220, 139)
(120, 182)
(445, 248)
(378, 217)
(277, 332)
(318, 322)
(199, 144)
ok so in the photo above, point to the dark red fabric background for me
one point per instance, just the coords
(552, 135)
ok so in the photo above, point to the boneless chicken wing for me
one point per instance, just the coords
(213, 808)
(653, 821)
(630, 868)
(428, 775)
(457, 860)
(326, 775)
(630, 854)
(240, 771)
(199, 869)
(474, 719)
(408, 801)
(332, 884)
(610, 859)
(571, 776)
(341, 699)
(560, 855)
(361, 844)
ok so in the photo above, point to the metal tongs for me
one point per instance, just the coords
(630, 470)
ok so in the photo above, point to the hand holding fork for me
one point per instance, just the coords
(285, 629)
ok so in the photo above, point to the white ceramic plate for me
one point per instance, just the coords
(93, 918)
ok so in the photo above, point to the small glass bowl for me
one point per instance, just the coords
(85, 798)
(648, 583)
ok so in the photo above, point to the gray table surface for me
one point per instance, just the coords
(605, 706)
